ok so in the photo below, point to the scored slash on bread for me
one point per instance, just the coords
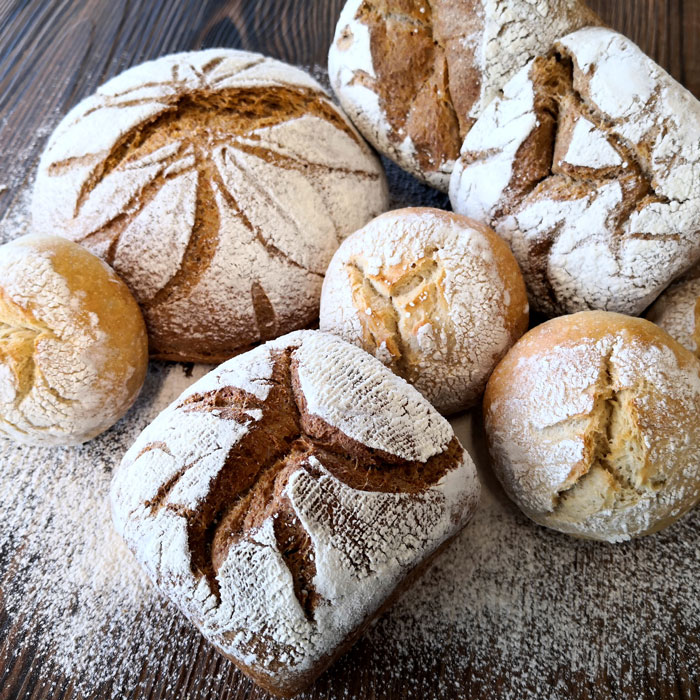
(589, 166)
(218, 184)
(284, 499)
(414, 75)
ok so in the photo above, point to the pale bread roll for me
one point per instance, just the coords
(437, 297)
(677, 310)
(589, 166)
(73, 346)
(415, 75)
(218, 184)
(287, 497)
(592, 424)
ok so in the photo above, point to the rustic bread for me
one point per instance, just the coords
(414, 75)
(218, 184)
(73, 347)
(677, 310)
(437, 297)
(589, 165)
(592, 424)
(282, 500)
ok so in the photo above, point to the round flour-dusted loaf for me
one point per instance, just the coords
(73, 346)
(437, 297)
(218, 184)
(287, 497)
(677, 310)
(592, 424)
(589, 166)
(414, 75)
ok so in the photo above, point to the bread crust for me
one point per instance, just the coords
(218, 184)
(592, 426)
(414, 75)
(589, 166)
(437, 297)
(73, 347)
(282, 500)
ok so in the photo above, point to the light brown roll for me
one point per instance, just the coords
(218, 184)
(677, 310)
(437, 297)
(73, 346)
(593, 429)
(589, 166)
(414, 75)
(287, 497)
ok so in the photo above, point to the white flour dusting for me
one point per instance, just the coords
(546, 614)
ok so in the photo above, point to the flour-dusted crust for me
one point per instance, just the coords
(284, 497)
(435, 296)
(218, 184)
(592, 423)
(73, 348)
(414, 75)
(589, 165)
(677, 310)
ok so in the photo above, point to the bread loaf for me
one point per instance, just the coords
(589, 166)
(285, 498)
(414, 75)
(677, 310)
(218, 184)
(73, 348)
(435, 296)
(592, 424)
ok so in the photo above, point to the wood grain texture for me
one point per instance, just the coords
(52, 54)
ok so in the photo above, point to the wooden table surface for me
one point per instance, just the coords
(55, 52)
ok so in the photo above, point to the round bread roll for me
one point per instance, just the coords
(414, 75)
(677, 310)
(218, 184)
(435, 296)
(592, 424)
(285, 499)
(589, 166)
(73, 345)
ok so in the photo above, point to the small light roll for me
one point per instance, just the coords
(592, 424)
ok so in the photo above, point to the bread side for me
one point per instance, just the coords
(284, 497)
(218, 184)
(414, 75)
(589, 167)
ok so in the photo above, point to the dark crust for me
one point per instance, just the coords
(250, 488)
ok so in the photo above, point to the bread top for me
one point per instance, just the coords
(414, 75)
(437, 297)
(589, 165)
(218, 184)
(592, 422)
(283, 497)
(73, 349)
(677, 310)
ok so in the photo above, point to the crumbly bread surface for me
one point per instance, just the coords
(592, 423)
(283, 499)
(218, 184)
(73, 348)
(677, 310)
(437, 297)
(589, 166)
(415, 74)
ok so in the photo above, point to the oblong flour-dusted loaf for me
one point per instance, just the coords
(589, 166)
(218, 184)
(437, 297)
(592, 424)
(285, 498)
(677, 310)
(73, 346)
(414, 75)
